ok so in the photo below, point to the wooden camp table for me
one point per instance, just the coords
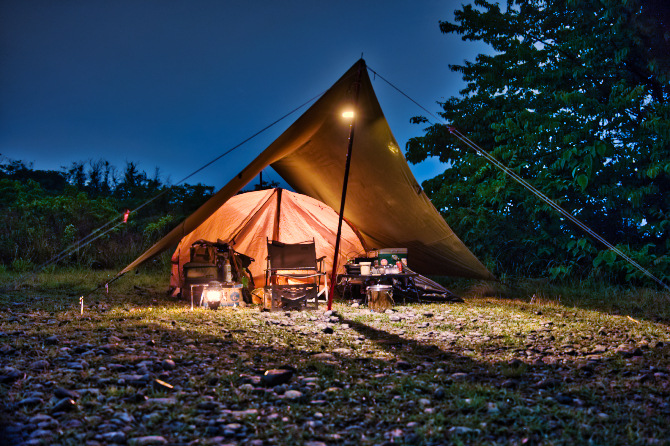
(355, 284)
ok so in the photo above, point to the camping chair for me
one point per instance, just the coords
(292, 277)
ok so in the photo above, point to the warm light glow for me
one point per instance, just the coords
(348, 114)
(214, 295)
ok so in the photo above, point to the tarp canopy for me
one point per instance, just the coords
(248, 220)
(384, 202)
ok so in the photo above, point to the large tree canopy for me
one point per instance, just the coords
(574, 98)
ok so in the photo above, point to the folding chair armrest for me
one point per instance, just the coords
(319, 261)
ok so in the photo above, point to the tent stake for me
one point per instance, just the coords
(333, 276)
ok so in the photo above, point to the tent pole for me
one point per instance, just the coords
(333, 276)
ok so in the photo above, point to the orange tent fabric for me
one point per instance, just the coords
(247, 220)
(385, 203)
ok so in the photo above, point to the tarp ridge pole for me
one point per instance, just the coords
(333, 277)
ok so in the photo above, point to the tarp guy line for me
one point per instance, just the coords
(555, 206)
(532, 189)
(79, 244)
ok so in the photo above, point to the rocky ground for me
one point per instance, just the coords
(145, 370)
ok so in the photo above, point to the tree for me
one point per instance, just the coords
(574, 98)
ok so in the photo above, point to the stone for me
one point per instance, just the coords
(599, 349)
(276, 377)
(562, 398)
(403, 365)
(40, 433)
(492, 409)
(150, 440)
(30, 401)
(459, 430)
(64, 405)
(60, 392)
(52, 340)
(124, 417)
(40, 364)
(10, 375)
(114, 437)
(162, 401)
(168, 364)
(7, 349)
(509, 384)
(41, 418)
(207, 405)
(293, 395)
(548, 382)
(459, 376)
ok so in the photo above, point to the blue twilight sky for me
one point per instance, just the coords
(173, 84)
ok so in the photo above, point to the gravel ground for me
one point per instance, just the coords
(144, 370)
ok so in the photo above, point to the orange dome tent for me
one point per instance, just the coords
(247, 220)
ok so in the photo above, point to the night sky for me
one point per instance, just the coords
(173, 84)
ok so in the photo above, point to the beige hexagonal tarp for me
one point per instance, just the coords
(384, 202)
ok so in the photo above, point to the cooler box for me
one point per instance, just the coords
(389, 256)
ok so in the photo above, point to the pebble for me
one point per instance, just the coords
(168, 364)
(162, 401)
(30, 401)
(60, 392)
(293, 395)
(403, 365)
(148, 441)
(114, 437)
(64, 405)
(40, 364)
(276, 377)
(41, 433)
(459, 376)
(562, 398)
(124, 417)
(41, 418)
(7, 349)
(459, 430)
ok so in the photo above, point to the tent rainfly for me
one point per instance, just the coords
(385, 204)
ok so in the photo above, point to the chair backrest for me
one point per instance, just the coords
(292, 255)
